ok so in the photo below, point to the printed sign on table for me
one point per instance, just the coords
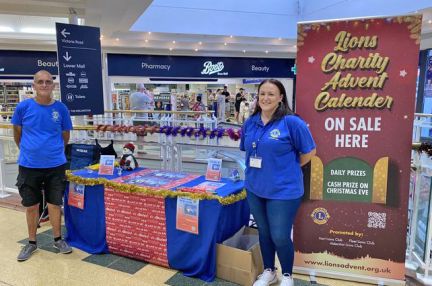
(157, 179)
(187, 215)
(106, 165)
(356, 89)
(214, 169)
(76, 195)
(210, 186)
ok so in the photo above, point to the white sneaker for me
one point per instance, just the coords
(268, 277)
(287, 280)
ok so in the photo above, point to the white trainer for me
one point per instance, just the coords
(268, 277)
(287, 280)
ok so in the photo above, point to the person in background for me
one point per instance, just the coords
(238, 99)
(141, 100)
(184, 103)
(220, 98)
(158, 106)
(41, 128)
(227, 95)
(277, 144)
(244, 111)
(198, 106)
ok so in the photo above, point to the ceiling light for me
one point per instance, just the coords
(117, 39)
(231, 36)
(146, 40)
(225, 44)
(173, 42)
(244, 51)
(170, 49)
(200, 43)
(47, 31)
(5, 29)
(196, 50)
(266, 52)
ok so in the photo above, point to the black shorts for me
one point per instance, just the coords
(31, 181)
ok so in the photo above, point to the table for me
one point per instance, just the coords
(94, 230)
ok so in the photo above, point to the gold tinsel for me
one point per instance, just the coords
(133, 189)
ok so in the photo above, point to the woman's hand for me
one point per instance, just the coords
(305, 158)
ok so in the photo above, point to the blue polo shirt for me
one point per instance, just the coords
(41, 144)
(279, 145)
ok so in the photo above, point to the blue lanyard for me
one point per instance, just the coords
(255, 142)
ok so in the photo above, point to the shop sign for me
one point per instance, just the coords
(210, 68)
(27, 62)
(198, 67)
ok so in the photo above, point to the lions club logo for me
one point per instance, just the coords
(275, 133)
(320, 216)
(55, 116)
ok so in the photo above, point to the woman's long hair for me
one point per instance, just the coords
(283, 108)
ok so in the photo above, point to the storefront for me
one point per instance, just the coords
(172, 77)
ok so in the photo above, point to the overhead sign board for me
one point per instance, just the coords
(80, 68)
(198, 67)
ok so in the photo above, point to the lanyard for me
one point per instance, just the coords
(255, 142)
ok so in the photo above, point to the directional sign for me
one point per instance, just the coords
(80, 68)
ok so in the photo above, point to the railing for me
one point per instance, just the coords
(125, 126)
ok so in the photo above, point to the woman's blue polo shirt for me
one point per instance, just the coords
(278, 144)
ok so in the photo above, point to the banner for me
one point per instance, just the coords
(356, 89)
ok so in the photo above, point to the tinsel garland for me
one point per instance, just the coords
(141, 130)
(133, 189)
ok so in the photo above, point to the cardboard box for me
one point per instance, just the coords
(236, 264)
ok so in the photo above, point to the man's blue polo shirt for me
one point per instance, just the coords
(279, 144)
(41, 143)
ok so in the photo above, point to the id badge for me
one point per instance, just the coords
(255, 162)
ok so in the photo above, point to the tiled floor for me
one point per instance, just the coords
(48, 267)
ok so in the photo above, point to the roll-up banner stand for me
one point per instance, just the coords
(356, 89)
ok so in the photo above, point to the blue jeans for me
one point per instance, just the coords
(274, 219)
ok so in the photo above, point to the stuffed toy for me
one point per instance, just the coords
(128, 161)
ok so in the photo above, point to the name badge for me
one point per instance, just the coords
(255, 162)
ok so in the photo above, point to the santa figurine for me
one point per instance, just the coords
(128, 161)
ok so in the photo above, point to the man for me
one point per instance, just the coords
(41, 127)
(226, 93)
(238, 99)
(141, 100)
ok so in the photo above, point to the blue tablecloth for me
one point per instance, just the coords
(194, 255)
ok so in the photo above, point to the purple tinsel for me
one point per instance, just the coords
(175, 131)
(213, 133)
(189, 131)
(183, 131)
(168, 130)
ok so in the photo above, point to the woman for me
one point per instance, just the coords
(277, 144)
